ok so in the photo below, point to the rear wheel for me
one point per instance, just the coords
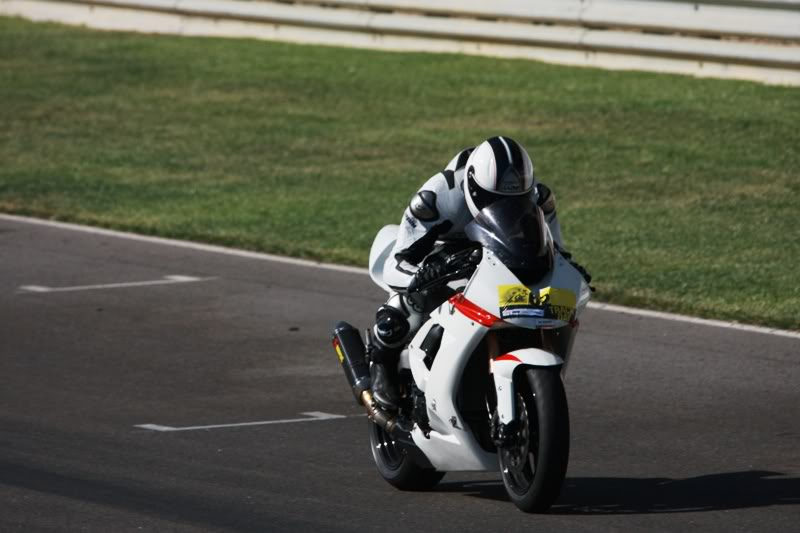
(534, 462)
(395, 465)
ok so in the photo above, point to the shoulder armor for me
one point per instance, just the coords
(547, 200)
(423, 206)
(459, 161)
(450, 178)
(462, 158)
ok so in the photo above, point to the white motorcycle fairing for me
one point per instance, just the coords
(466, 319)
(481, 381)
(381, 248)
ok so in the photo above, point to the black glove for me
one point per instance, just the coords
(568, 256)
(584, 273)
(432, 269)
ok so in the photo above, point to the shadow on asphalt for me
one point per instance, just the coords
(156, 501)
(614, 495)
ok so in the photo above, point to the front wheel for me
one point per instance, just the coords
(533, 464)
(395, 465)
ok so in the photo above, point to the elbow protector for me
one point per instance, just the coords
(423, 206)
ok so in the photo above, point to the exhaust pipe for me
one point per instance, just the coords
(352, 356)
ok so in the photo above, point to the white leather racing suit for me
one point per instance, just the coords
(438, 211)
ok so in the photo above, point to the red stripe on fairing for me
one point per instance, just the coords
(508, 357)
(472, 311)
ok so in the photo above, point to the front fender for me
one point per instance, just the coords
(503, 369)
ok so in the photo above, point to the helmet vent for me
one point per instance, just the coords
(511, 182)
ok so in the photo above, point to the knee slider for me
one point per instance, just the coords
(391, 326)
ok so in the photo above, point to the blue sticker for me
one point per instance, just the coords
(511, 312)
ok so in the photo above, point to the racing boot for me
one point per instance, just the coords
(384, 378)
(386, 342)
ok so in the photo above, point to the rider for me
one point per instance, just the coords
(497, 168)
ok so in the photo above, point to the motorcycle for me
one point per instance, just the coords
(481, 380)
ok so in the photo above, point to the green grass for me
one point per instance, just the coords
(677, 193)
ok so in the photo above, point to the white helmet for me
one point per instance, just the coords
(498, 168)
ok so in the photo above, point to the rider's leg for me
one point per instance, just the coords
(395, 323)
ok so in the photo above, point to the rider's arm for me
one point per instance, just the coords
(423, 223)
(546, 200)
(431, 213)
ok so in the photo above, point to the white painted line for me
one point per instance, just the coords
(693, 320)
(355, 270)
(313, 416)
(155, 427)
(167, 280)
(34, 288)
(183, 244)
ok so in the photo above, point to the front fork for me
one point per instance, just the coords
(502, 368)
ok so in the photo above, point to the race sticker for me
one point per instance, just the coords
(519, 301)
(338, 348)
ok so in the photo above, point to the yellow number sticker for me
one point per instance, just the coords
(519, 301)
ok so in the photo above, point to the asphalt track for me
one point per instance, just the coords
(675, 426)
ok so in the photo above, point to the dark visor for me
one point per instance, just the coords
(513, 228)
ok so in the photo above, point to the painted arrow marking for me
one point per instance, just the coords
(166, 280)
(313, 416)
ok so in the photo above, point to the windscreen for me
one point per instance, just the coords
(514, 230)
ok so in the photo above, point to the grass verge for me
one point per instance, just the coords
(679, 194)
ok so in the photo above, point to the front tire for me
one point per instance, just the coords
(394, 464)
(534, 464)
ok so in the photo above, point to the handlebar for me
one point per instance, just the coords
(459, 264)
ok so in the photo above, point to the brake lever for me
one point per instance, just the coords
(463, 260)
(460, 273)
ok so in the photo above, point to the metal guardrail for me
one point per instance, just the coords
(721, 19)
(678, 36)
(764, 4)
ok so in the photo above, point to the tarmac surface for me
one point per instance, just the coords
(675, 427)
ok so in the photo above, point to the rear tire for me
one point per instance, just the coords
(395, 465)
(534, 465)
